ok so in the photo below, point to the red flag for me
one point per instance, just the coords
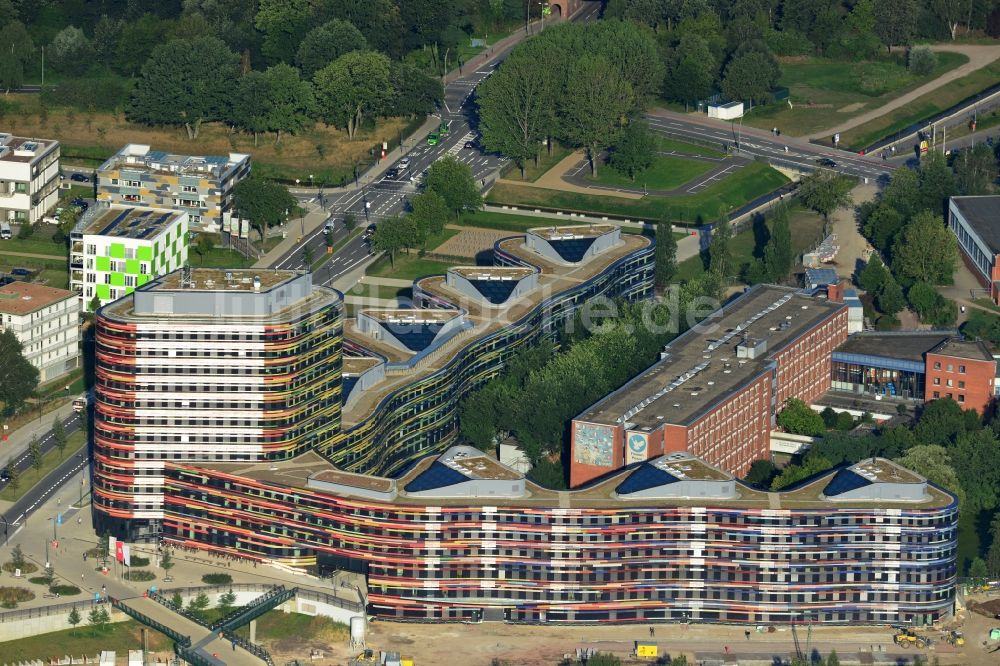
(120, 551)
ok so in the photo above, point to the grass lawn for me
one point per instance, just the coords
(923, 107)
(669, 145)
(806, 227)
(437, 240)
(218, 257)
(52, 272)
(50, 460)
(408, 267)
(545, 162)
(276, 625)
(120, 637)
(826, 92)
(731, 192)
(666, 173)
(40, 242)
(517, 223)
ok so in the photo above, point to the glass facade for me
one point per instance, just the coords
(873, 380)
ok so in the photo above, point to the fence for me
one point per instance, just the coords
(302, 593)
(179, 638)
(45, 611)
(180, 610)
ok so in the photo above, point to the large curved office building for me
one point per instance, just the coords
(251, 415)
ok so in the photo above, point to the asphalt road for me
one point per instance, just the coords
(18, 513)
(387, 197)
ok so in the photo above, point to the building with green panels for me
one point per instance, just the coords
(114, 249)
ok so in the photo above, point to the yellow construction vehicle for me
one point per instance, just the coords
(956, 638)
(906, 638)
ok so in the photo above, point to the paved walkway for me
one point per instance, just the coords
(553, 179)
(979, 56)
(210, 644)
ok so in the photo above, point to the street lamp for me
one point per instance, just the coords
(310, 180)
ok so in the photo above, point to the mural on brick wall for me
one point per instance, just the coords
(593, 444)
(637, 448)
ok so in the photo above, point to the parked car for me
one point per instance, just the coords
(80, 178)
(20, 272)
(80, 203)
(5, 233)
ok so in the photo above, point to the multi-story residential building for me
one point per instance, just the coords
(210, 365)
(717, 387)
(200, 186)
(462, 537)
(47, 322)
(114, 249)
(29, 178)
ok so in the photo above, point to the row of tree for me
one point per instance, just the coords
(577, 83)
(187, 82)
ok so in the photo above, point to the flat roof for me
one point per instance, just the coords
(492, 272)
(474, 464)
(974, 350)
(572, 231)
(119, 221)
(296, 473)
(702, 368)
(21, 298)
(905, 345)
(363, 481)
(23, 149)
(885, 471)
(686, 466)
(222, 279)
(983, 215)
(411, 316)
(355, 365)
(140, 157)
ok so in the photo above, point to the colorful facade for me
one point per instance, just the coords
(674, 539)
(115, 249)
(200, 186)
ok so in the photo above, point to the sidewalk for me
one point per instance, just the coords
(18, 440)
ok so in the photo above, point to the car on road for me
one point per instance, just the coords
(443, 128)
(328, 227)
(403, 164)
(418, 177)
(4, 476)
(433, 138)
(827, 162)
(80, 178)
(391, 174)
(369, 232)
(470, 145)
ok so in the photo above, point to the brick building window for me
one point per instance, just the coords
(937, 365)
(961, 369)
(937, 394)
(961, 398)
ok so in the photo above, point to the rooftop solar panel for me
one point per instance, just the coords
(115, 222)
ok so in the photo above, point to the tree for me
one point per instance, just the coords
(350, 222)
(99, 618)
(932, 462)
(973, 455)
(761, 473)
(975, 170)
(925, 251)
(185, 82)
(324, 44)
(199, 604)
(594, 105)
(18, 378)
(263, 202)
(720, 259)
(874, 275)
(778, 257)
(283, 23)
(166, 562)
(799, 419)
(17, 557)
(453, 181)
(59, 435)
(74, 618)
(890, 298)
(825, 192)
(414, 92)
(15, 40)
(12, 475)
(921, 61)
(70, 51)
(750, 76)
(942, 421)
(691, 71)
(933, 308)
(937, 183)
(35, 451)
(353, 85)
(634, 150)
(429, 211)
(11, 75)
(859, 36)
(227, 602)
(951, 12)
(107, 31)
(290, 101)
(993, 554)
(517, 105)
(832, 659)
(978, 571)
(895, 21)
(49, 574)
(253, 98)
(393, 235)
(666, 254)
(176, 600)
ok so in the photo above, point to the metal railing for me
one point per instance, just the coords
(180, 610)
(173, 634)
(45, 611)
(246, 614)
(304, 593)
(254, 649)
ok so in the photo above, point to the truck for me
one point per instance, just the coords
(5, 233)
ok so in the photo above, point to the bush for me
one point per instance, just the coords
(26, 568)
(139, 575)
(887, 323)
(10, 597)
(39, 580)
(217, 579)
(788, 43)
(64, 590)
(140, 561)
(922, 60)
(100, 94)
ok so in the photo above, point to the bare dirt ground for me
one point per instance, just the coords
(853, 246)
(470, 242)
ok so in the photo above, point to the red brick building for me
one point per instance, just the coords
(716, 389)
(963, 370)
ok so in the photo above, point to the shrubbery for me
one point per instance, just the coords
(217, 579)
(64, 590)
(10, 597)
(139, 575)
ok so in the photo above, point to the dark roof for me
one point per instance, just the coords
(973, 350)
(435, 476)
(845, 481)
(908, 346)
(495, 291)
(983, 215)
(572, 250)
(645, 477)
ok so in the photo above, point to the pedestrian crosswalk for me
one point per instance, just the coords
(457, 148)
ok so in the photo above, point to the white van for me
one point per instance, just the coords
(5, 233)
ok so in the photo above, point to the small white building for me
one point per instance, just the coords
(47, 322)
(727, 111)
(29, 178)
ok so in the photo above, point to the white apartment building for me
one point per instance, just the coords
(29, 178)
(114, 249)
(47, 322)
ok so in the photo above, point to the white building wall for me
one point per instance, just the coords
(51, 337)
